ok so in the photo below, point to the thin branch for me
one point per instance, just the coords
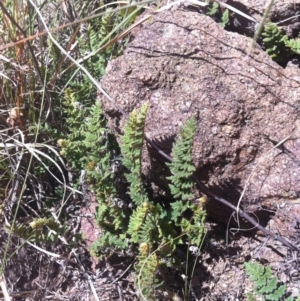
(246, 216)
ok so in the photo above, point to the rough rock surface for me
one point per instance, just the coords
(185, 65)
(281, 11)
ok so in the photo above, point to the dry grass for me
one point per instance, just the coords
(41, 48)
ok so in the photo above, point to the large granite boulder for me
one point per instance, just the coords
(184, 64)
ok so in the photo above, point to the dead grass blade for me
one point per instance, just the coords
(4, 290)
(32, 37)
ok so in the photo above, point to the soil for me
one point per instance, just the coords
(219, 272)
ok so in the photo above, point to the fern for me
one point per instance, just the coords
(72, 147)
(131, 148)
(106, 23)
(294, 45)
(89, 147)
(195, 228)
(182, 167)
(100, 144)
(181, 185)
(145, 223)
(278, 45)
(107, 243)
(275, 42)
(225, 18)
(177, 208)
(212, 10)
(265, 284)
(147, 269)
(137, 220)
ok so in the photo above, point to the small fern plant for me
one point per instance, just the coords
(213, 10)
(153, 231)
(181, 185)
(293, 45)
(275, 42)
(278, 46)
(151, 226)
(265, 285)
(182, 167)
(131, 148)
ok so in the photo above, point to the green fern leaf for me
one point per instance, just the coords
(254, 270)
(294, 45)
(178, 208)
(137, 219)
(146, 269)
(182, 167)
(108, 241)
(131, 148)
(277, 294)
(213, 9)
(225, 18)
(270, 286)
(265, 284)
(275, 42)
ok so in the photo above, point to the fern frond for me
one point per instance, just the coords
(277, 294)
(106, 24)
(131, 148)
(177, 208)
(92, 38)
(182, 167)
(275, 42)
(148, 231)
(294, 45)
(20, 230)
(194, 228)
(146, 269)
(213, 9)
(137, 220)
(89, 147)
(39, 230)
(69, 97)
(225, 18)
(108, 241)
(39, 223)
(265, 284)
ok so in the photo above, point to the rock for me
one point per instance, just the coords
(280, 11)
(184, 64)
(286, 220)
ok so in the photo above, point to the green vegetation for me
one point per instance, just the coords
(278, 46)
(53, 127)
(39, 110)
(213, 10)
(39, 230)
(135, 222)
(265, 285)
